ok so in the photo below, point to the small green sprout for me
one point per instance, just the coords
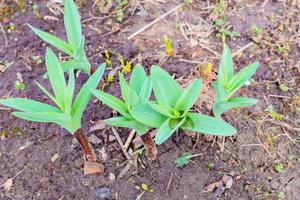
(19, 85)
(279, 167)
(183, 159)
(210, 166)
(68, 112)
(174, 105)
(255, 30)
(75, 45)
(228, 84)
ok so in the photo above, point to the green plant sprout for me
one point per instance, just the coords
(184, 159)
(68, 113)
(174, 105)
(74, 47)
(138, 91)
(228, 84)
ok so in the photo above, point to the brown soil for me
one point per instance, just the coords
(250, 157)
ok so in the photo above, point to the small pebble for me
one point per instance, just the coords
(103, 193)
(111, 176)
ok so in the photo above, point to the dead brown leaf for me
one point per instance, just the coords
(92, 168)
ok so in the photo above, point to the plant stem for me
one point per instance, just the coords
(150, 146)
(85, 146)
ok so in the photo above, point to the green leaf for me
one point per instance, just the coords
(239, 79)
(146, 115)
(85, 94)
(145, 91)
(112, 102)
(52, 117)
(221, 94)
(54, 41)
(72, 23)
(225, 72)
(46, 92)
(167, 129)
(125, 89)
(164, 110)
(166, 89)
(221, 107)
(138, 77)
(208, 125)
(28, 105)
(127, 123)
(70, 91)
(189, 96)
(56, 76)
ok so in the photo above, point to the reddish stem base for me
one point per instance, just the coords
(150, 146)
(85, 145)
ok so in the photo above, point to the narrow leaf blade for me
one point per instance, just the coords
(209, 125)
(166, 89)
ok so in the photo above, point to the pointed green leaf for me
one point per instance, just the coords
(145, 91)
(166, 89)
(221, 94)
(146, 115)
(46, 92)
(112, 102)
(127, 123)
(85, 94)
(189, 96)
(125, 89)
(56, 77)
(241, 78)
(52, 117)
(164, 110)
(70, 91)
(221, 107)
(72, 23)
(54, 41)
(208, 125)
(225, 71)
(167, 129)
(138, 76)
(28, 105)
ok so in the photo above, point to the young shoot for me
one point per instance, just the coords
(228, 84)
(174, 104)
(137, 92)
(74, 47)
(68, 112)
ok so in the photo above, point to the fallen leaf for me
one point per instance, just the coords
(211, 187)
(8, 184)
(94, 139)
(92, 168)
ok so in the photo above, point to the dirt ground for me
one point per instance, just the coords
(262, 159)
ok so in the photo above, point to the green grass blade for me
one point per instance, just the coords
(125, 89)
(52, 117)
(54, 41)
(145, 91)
